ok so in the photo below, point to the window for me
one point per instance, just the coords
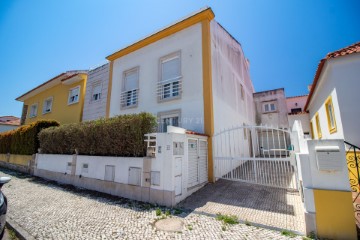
(269, 107)
(129, 95)
(330, 115)
(47, 105)
(318, 128)
(171, 118)
(170, 74)
(295, 110)
(33, 110)
(96, 92)
(74, 95)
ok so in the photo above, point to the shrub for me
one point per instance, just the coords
(24, 140)
(118, 136)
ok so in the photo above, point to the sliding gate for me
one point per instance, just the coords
(255, 154)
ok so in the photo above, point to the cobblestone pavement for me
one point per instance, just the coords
(51, 211)
(264, 205)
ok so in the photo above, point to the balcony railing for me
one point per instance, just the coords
(129, 98)
(169, 89)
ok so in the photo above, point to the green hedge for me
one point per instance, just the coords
(118, 136)
(24, 140)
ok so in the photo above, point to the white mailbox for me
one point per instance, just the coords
(329, 158)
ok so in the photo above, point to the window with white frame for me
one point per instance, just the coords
(96, 92)
(129, 95)
(269, 107)
(171, 118)
(74, 95)
(33, 110)
(47, 105)
(170, 76)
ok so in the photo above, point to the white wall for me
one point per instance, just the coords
(97, 166)
(296, 102)
(277, 118)
(303, 118)
(327, 86)
(96, 109)
(189, 42)
(230, 69)
(54, 162)
(346, 75)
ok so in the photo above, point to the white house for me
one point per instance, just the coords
(296, 111)
(333, 103)
(192, 74)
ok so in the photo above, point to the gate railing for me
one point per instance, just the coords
(353, 158)
(255, 154)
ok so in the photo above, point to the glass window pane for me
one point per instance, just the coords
(170, 69)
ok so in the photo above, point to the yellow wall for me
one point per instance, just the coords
(16, 159)
(353, 174)
(335, 217)
(61, 111)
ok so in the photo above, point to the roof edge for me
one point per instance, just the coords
(315, 82)
(206, 14)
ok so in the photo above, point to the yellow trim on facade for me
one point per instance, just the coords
(318, 127)
(61, 110)
(107, 115)
(328, 102)
(312, 130)
(335, 217)
(208, 94)
(207, 15)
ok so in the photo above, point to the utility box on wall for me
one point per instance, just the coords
(329, 158)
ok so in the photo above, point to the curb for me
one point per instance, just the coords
(21, 233)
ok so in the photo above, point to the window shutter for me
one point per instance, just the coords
(170, 69)
(131, 80)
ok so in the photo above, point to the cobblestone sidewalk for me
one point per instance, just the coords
(51, 211)
(264, 205)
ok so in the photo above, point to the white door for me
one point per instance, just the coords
(178, 176)
(203, 161)
(193, 172)
(198, 162)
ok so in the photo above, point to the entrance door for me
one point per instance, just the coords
(197, 162)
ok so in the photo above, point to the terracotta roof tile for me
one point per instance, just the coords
(354, 48)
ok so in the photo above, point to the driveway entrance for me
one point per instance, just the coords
(270, 206)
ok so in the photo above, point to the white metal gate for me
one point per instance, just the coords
(255, 154)
(197, 162)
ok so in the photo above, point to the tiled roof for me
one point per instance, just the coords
(354, 48)
(63, 75)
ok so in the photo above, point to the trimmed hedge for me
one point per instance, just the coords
(118, 136)
(24, 140)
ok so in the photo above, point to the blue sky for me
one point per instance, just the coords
(283, 39)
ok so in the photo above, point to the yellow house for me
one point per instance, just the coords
(61, 99)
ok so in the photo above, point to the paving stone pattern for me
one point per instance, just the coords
(51, 211)
(270, 206)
